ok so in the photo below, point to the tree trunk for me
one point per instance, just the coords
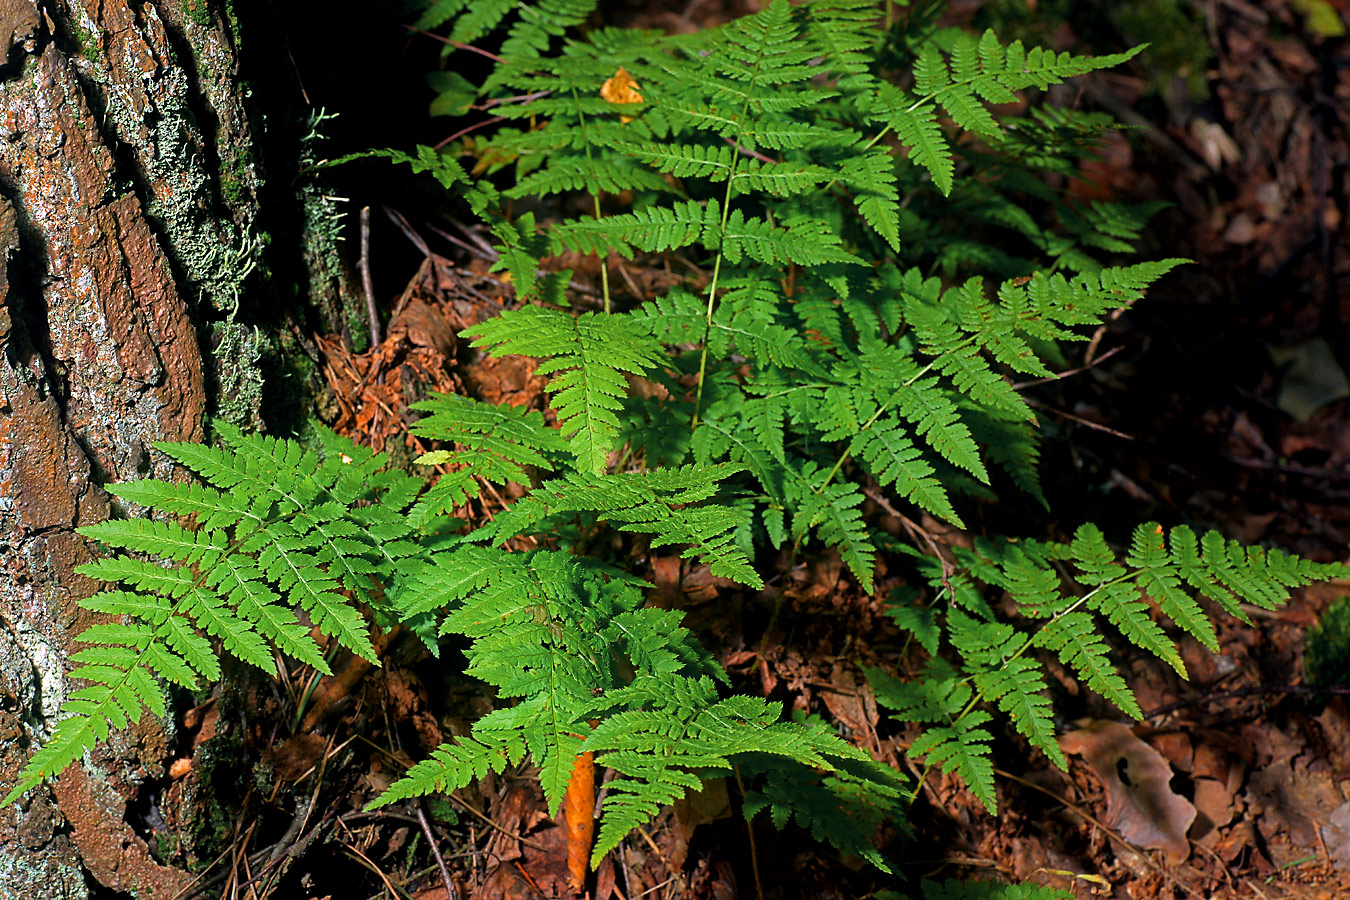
(127, 229)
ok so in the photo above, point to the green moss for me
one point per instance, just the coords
(88, 43)
(198, 12)
(219, 785)
(232, 22)
(1326, 656)
(234, 180)
(238, 353)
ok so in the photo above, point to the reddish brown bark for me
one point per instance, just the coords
(114, 242)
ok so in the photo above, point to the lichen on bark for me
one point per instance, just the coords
(120, 255)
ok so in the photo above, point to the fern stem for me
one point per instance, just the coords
(722, 234)
(978, 696)
(881, 411)
(750, 833)
(595, 195)
(703, 354)
(712, 285)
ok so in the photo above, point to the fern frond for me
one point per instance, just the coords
(805, 241)
(587, 356)
(833, 511)
(280, 522)
(1076, 639)
(990, 890)
(871, 176)
(843, 808)
(1160, 580)
(714, 163)
(1118, 599)
(893, 460)
(841, 30)
(649, 230)
(455, 764)
(428, 160)
(962, 748)
(933, 414)
(916, 125)
(495, 442)
(1018, 689)
(649, 502)
(782, 179)
(765, 49)
(678, 728)
(576, 173)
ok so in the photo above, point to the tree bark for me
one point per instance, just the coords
(127, 230)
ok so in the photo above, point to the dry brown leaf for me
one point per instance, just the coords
(1140, 804)
(296, 755)
(579, 818)
(621, 88)
(708, 805)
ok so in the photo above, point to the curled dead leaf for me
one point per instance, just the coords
(1140, 804)
(621, 88)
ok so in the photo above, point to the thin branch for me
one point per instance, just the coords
(364, 264)
(1301, 690)
(456, 44)
(406, 227)
(1086, 423)
(451, 892)
(469, 129)
(1068, 373)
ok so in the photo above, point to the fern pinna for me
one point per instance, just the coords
(275, 529)
(871, 262)
(1163, 575)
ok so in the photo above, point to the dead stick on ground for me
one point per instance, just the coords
(465, 806)
(366, 283)
(451, 892)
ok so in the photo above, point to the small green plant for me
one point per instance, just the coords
(1326, 656)
(876, 254)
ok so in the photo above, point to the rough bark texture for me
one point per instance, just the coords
(126, 202)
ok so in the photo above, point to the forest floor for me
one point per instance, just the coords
(1218, 401)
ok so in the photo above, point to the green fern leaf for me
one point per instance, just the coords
(990, 890)
(1074, 637)
(1018, 688)
(649, 230)
(916, 126)
(587, 355)
(1161, 581)
(871, 175)
(684, 160)
(833, 511)
(454, 764)
(807, 242)
(962, 748)
(894, 460)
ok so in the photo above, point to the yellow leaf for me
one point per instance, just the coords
(621, 88)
